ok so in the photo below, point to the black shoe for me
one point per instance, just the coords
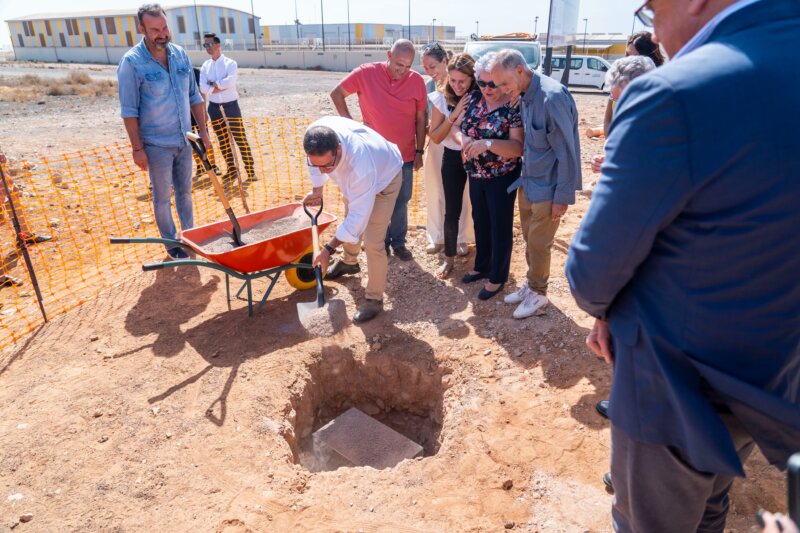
(403, 253)
(608, 483)
(340, 268)
(485, 294)
(388, 249)
(602, 408)
(177, 253)
(9, 281)
(368, 311)
(469, 278)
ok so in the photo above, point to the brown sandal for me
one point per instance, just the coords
(443, 271)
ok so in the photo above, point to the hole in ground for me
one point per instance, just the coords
(404, 395)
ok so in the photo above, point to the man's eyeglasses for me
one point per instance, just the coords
(489, 84)
(645, 14)
(208, 45)
(332, 164)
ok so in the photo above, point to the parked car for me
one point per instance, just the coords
(528, 48)
(587, 71)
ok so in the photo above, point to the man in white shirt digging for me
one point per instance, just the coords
(368, 170)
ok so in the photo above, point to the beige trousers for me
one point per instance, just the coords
(539, 231)
(374, 237)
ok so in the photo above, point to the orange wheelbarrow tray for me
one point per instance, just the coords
(290, 252)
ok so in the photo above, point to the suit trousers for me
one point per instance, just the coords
(493, 216)
(231, 126)
(539, 231)
(656, 489)
(377, 261)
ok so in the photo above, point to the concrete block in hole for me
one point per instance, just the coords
(356, 439)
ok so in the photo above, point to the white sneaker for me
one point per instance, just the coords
(532, 303)
(518, 295)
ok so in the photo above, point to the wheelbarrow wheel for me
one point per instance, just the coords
(302, 278)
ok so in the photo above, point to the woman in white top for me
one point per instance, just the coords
(434, 61)
(445, 129)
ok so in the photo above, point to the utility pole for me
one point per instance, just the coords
(409, 20)
(433, 31)
(322, 15)
(253, 13)
(536, 25)
(348, 25)
(585, 25)
(477, 32)
(197, 21)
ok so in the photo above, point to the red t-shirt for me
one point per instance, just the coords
(388, 106)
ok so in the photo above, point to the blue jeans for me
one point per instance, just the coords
(168, 168)
(398, 226)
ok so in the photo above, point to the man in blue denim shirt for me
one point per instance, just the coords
(156, 90)
(551, 168)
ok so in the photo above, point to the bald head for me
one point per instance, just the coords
(403, 46)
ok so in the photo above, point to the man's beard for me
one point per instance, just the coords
(160, 44)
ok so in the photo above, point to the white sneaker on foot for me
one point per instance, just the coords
(532, 303)
(518, 295)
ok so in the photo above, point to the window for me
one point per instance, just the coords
(231, 27)
(21, 40)
(595, 64)
(48, 27)
(197, 37)
(223, 27)
(87, 38)
(576, 64)
(63, 40)
(72, 27)
(181, 25)
(111, 27)
(98, 25)
(251, 24)
(559, 63)
(27, 27)
(41, 40)
(129, 38)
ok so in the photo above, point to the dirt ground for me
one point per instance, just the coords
(158, 406)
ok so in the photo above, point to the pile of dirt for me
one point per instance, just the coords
(269, 229)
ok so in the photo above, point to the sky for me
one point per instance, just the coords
(494, 16)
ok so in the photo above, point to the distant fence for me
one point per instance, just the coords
(83, 198)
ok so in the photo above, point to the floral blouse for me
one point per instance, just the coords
(480, 123)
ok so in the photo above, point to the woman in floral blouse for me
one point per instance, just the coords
(492, 144)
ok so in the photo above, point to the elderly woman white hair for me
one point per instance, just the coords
(624, 71)
(621, 73)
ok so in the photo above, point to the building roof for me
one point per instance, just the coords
(106, 13)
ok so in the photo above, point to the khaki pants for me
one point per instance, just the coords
(374, 237)
(539, 231)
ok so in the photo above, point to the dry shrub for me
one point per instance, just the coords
(79, 78)
(30, 88)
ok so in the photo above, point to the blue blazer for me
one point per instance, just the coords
(691, 244)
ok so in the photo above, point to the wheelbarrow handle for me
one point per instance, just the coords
(147, 240)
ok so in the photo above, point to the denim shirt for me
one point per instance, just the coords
(551, 159)
(160, 99)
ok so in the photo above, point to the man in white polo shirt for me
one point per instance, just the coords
(218, 83)
(368, 170)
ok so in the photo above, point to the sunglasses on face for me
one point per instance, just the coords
(645, 14)
(208, 45)
(489, 84)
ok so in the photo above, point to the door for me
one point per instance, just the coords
(596, 72)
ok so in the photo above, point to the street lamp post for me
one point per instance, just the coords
(633, 26)
(197, 21)
(253, 13)
(433, 31)
(322, 16)
(585, 25)
(477, 32)
(348, 25)
(535, 25)
(409, 20)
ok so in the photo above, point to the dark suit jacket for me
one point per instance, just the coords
(691, 244)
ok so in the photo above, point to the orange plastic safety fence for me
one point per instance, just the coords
(84, 198)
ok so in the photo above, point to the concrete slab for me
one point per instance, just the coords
(356, 439)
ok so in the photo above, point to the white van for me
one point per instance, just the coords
(588, 71)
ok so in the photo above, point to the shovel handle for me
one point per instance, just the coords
(314, 230)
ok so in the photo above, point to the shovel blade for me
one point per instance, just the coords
(322, 321)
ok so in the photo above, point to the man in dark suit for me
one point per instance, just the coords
(688, 258)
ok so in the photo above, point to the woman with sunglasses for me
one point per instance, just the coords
(435, 60)
(445, 131)
(492, 142)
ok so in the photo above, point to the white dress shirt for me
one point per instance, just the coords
(368, 164)
(222, 72)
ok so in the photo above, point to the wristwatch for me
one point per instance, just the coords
(489, 144)
(420, 152)
(331, 249)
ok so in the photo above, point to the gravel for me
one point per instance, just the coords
(268, 229)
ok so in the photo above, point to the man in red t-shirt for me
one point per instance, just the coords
(393, 102)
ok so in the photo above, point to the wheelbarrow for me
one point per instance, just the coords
(290, 253)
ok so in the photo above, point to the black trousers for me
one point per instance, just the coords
(493, 216)
(234, 116)
(454, 179)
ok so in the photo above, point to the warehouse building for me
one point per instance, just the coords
(105, 36)
(310, 35)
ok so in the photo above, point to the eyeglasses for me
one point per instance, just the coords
(645, 14)
(208, 45)
(489, 84)
(432, 46)
(327, 165)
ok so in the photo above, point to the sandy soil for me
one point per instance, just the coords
(159, 406)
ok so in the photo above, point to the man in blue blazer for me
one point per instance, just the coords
(689, 259)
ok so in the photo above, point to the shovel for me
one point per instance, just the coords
(200, 150)
(304, 309)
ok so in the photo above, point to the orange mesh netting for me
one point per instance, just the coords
(83, 198)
